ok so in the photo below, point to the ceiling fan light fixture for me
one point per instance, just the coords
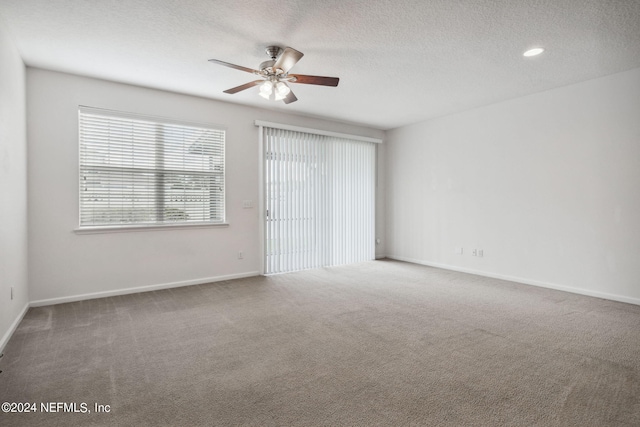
(282, 89)
(266, 87)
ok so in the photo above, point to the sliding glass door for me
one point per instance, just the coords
(319, 200)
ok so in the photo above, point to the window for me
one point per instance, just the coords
(141, 171)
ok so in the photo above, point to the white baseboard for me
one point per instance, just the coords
(61, 300)
(13, 327)
(587, 292)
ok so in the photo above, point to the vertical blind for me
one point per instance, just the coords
(319, 199)
(144, 171)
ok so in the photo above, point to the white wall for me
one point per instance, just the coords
(13, 188)
(63, 264)
(547, 185)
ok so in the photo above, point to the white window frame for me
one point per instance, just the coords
(126, 227)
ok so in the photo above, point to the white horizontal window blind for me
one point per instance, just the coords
(319, 199)
(144, 171)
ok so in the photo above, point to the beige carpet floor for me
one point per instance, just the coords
(377, 343)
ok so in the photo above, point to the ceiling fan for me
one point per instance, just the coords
(275, 75)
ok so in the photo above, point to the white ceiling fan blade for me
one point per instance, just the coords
(288, 59)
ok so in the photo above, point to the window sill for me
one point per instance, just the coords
(134, 228)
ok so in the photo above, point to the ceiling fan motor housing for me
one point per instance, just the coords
(267, 64)
(273, 51)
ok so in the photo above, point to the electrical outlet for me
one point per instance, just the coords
(480, 252)
(459, 251)
(247, 204)
(240, 255)
(474, 252)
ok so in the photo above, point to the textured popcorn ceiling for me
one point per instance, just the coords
(399, 61)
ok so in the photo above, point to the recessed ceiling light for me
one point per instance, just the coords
(533, 52)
